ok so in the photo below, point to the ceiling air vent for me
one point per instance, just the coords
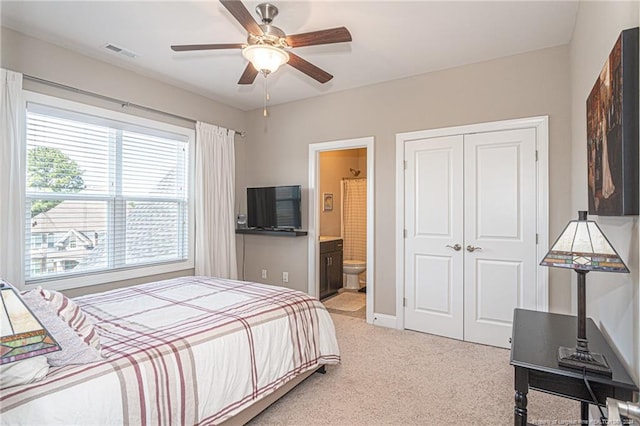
(120, 50)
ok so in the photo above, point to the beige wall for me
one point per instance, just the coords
(40, 59)
(531, 84)
(335, 165)
(613, 300)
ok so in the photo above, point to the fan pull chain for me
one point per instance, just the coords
(265, 113)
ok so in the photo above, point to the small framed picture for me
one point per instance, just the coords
(327, 201)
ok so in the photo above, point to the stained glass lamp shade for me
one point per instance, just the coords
(21, 334)
(583, 247)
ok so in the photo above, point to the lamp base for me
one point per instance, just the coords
(581, 360)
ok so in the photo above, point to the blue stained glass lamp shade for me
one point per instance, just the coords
(21, 334)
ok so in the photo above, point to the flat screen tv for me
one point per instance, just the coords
(274, 207)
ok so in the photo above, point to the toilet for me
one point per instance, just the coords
(351, 269)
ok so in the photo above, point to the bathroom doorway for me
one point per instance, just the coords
(341, 270)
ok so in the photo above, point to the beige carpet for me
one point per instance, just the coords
(393, 377)
(346, 301)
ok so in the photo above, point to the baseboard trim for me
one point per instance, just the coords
(384, 320)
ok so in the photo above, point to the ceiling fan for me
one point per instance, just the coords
(268, 46)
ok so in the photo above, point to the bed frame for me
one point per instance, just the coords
(245, 416)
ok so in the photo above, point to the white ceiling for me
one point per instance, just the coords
(391, 39)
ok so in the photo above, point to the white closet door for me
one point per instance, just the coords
(477, 191)
(433, 221)
(500, 232)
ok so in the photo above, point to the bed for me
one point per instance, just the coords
(190, 350)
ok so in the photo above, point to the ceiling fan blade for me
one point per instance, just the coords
(308, 68)
(332, 35)
(242, 15)
(249, 75)
(187, 47)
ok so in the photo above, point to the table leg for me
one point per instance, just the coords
(522, 388)
(584, 413)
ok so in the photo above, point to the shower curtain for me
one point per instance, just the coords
(354, 219)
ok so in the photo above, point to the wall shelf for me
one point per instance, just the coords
(279, 233)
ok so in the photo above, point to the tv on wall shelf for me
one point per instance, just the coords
(278, 232)
(274, 210)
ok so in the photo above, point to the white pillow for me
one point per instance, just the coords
(23, 372)
(74, 350)
(71, 314)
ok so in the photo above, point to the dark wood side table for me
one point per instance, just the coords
(534, 351)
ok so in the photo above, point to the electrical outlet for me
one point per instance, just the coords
(264, 274)
(285, 277)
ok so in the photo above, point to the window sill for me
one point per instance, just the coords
(97, 278)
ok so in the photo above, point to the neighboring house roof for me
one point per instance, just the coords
(80, 215)
(147, 239)
(81, 239)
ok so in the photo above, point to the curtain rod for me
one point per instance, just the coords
(353, 178)
(114, 100)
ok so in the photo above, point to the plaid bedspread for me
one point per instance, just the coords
(191, 350)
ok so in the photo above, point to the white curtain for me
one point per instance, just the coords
(354, 219)
(215, 195)
(12, 175)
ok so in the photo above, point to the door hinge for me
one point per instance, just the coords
(537, 238)
(404, 302)
(405, 164)
(404, 233)
(536, 155)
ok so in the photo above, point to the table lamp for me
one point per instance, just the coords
(583, 247)
(22, 335)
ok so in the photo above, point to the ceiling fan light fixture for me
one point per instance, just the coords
(265, 58)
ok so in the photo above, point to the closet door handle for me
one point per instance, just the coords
(471, 249)
(456, 247)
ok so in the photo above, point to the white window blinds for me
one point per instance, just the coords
(101, 194)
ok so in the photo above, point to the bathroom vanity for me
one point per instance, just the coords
(330, 266)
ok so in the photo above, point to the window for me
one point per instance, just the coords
(104, 192)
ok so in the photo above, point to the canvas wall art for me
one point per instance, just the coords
(612, 132)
